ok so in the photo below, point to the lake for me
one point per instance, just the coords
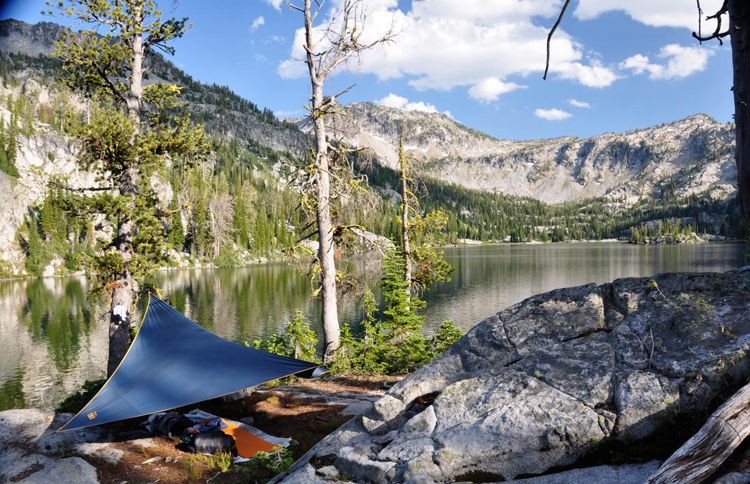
(50, 342)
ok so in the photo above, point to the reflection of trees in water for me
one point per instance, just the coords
(61, 320)
(11, 392)
(240, 304)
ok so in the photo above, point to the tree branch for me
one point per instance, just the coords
(551, 33)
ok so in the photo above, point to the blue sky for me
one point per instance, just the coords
(479, 60)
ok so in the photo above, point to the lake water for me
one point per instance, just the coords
(50, 343)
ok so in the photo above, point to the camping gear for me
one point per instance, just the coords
(211, 443)
(174, 362)
(170, 424)
(247, 443)
(248, 439)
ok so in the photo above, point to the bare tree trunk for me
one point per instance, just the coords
(739, 32)
(124, 290)
(135, 93)
(403, 173)
(123, 296)
(700, 456)
(326, 250)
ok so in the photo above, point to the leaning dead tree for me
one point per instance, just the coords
(327, 47)
(700, 456)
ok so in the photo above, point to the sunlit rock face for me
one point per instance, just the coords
(694, 155)
(542, 383)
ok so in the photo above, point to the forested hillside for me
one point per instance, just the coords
(242, 202)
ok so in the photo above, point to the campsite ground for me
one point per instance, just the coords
(305, 410)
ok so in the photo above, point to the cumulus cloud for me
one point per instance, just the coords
(400, 102)
(257, 23)
(552, 114)
(275, 4)
(490, 89)
(579, 104)
(484, 43)
(679, 62)
(664, 13)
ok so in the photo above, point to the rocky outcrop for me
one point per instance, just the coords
(544, 382)
(32, 452)
(687, 157)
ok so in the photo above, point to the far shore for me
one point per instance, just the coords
(276, 259)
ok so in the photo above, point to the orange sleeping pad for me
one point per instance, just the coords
(248, 444)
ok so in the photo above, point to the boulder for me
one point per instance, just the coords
(544, 382)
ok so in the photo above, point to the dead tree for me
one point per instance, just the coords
(327, 47)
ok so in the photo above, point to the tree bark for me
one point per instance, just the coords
(739, 32)
(700, 456)
(326, 249)
(403, 172)
(124, 290)
(135, 92)
(123, 295)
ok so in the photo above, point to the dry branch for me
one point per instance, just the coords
(700, 456)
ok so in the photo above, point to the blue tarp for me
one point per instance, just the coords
(174, 362)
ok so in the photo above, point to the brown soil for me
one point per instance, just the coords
(299, 410)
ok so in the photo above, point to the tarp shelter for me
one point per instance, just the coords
(174, 362)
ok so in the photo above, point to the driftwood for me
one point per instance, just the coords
(700, 456)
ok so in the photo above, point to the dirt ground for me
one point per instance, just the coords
(305, 410)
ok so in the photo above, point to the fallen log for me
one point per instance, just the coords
(699, 457)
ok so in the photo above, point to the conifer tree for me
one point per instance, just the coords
(128, 138)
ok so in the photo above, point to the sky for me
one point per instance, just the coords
(615, 65)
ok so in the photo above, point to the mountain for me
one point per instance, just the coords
(224, 113)
(691, 156)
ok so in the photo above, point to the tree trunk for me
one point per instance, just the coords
(326, 254)
(135, 92)
(403, 172)
(124, 290)
(325, 234)
(700, 456)
(123, 295)
(739, 32)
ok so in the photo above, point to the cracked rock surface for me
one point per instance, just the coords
(541, 383)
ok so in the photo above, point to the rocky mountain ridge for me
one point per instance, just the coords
(692, 156)
(687, 157)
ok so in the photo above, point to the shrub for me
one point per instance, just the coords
(297, 341)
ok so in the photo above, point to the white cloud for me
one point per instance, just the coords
(579, 104)
(257, 23)
(400, 102)
(492, 88)
(661, 13)
(275, 4)
(681, 62)
(552, 114)
(473, 44)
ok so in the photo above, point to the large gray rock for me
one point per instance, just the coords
(542, 383)
(32, 451)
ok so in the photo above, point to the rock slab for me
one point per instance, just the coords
(542, 383)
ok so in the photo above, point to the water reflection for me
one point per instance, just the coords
(50, 342)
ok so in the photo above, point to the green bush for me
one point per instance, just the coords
(393, 344)
(297, 341)
(264, 466)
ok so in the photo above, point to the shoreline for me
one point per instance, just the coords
(287, 259)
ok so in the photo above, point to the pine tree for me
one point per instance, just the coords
(176, 234)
